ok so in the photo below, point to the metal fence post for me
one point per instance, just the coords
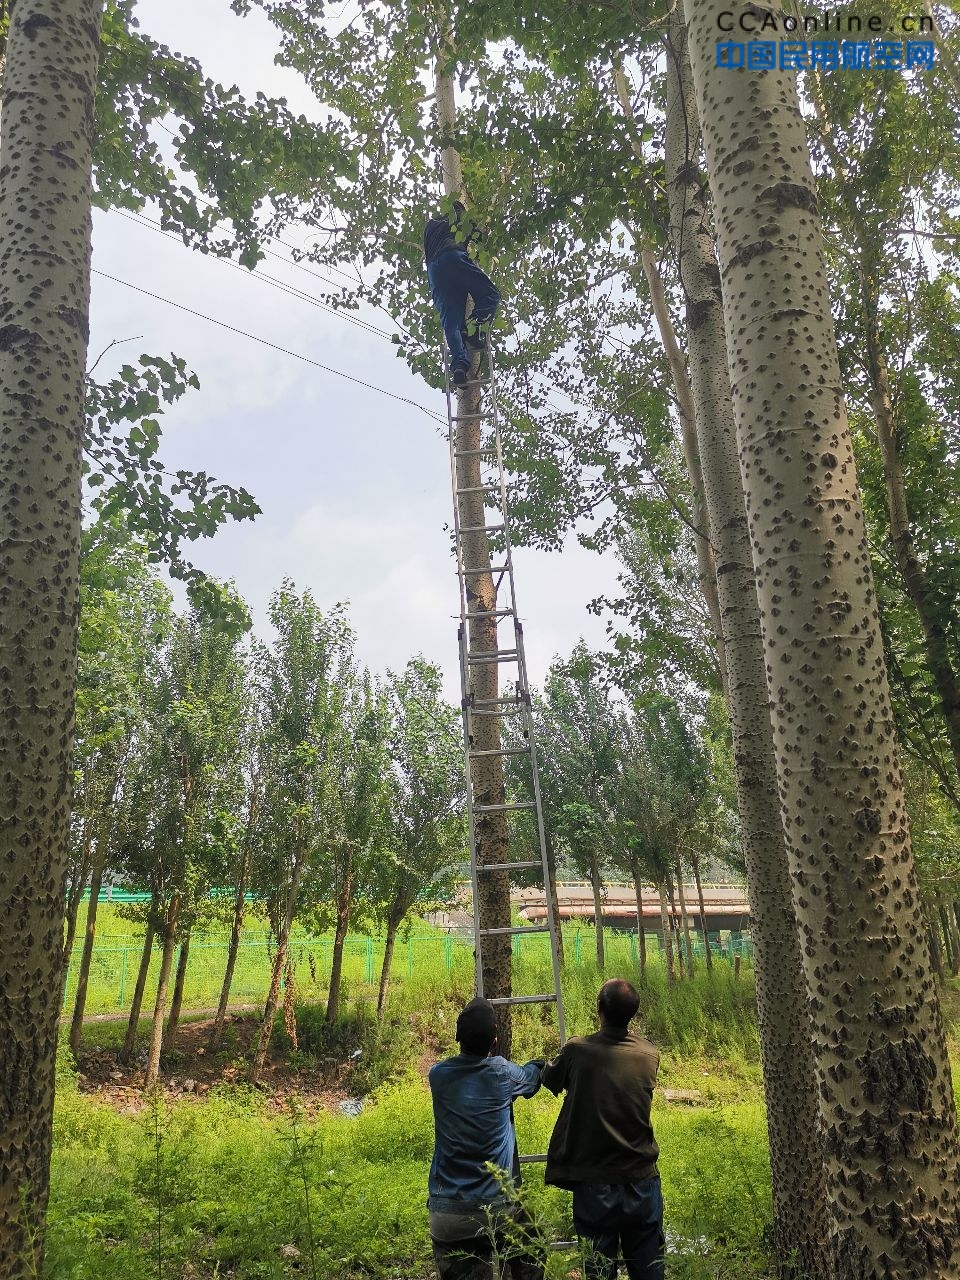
(123, 978)
(448, 952)
(370, 960)
(410, 955)
(578, 949)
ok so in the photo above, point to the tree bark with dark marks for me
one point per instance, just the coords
(45, 191)
(800, 1222)
(889, 1124)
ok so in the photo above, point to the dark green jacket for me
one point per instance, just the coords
(603, 1132)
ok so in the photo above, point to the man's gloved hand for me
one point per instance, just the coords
(539, 1063)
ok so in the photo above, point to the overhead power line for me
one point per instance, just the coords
(266, 343)
(283, 285)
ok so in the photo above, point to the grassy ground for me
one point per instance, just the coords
(256, 1185)
(248, 1184)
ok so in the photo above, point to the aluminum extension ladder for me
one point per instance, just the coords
(513, 710)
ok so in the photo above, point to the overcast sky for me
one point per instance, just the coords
(354, 486)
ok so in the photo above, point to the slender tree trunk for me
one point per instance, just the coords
(666, 934)
(290, 1002)
(398, 909)
(176, 1003)
(944, 930)
(675, 929)
(554, 893)
(934, 617)
(596, 884)
(273, 995)
(801, 1223)
(491, 831)
(83, 974)
(344, 903)
(163, 982)
(685, 920)
(74, 898)
(236, 932)
(45, 165)
(878, 1040)
(951, 926)
(707, 957)
(133, 1022)
(936, 948)
(641, 931)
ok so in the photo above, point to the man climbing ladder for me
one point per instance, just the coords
(453, 277)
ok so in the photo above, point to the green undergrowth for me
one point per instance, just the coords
(238, 1192)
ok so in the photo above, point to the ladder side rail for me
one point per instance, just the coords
(501, 472)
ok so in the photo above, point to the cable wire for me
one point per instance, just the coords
(266, 343)
(283, 285)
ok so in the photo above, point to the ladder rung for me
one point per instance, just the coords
(505, 808)
(510, 708)
(516, 928)
(502, 751)
(495, 702)
(494, 568)
(547, 998)
(492, 656)
(478, 488)
(557, 1245)
(489, 613)
(470, 453)
(483, 528)
(533, 1159)
(510, 866)
(470, 417)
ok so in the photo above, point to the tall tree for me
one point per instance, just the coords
(878, 1040)
(792, 1111)
(45, 168)
(302, 680)
(427, 836)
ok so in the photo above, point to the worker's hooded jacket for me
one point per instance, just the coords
(603, 1132)
(473, 1126)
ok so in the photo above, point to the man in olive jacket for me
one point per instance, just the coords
(602, 1148)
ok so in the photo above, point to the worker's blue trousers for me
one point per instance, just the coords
(453, 275)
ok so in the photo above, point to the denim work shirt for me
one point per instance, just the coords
(473, 1124)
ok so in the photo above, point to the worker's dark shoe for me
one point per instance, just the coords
(477, 341)
(461, 373)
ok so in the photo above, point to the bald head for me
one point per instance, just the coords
(617, 1002)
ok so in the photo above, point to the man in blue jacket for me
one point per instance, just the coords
(473, 1219)
(453, 276)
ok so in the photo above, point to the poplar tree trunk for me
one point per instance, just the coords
(133, 1022)
(90, 933)
(45, 164)
(491, 830)
(641, 933)
(389, 943)
(665, 932)
(889, 1122)
(685, 920)
(950, 924)
(344, 899)
(707, 957)
(163, 982)
(176, 1003)
(800, 1218)
(596, 884)
(273, 995)
(554, 892)
(934, 621)
(236, 932)
(675, 929)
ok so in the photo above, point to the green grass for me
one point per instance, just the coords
(232, 1185)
